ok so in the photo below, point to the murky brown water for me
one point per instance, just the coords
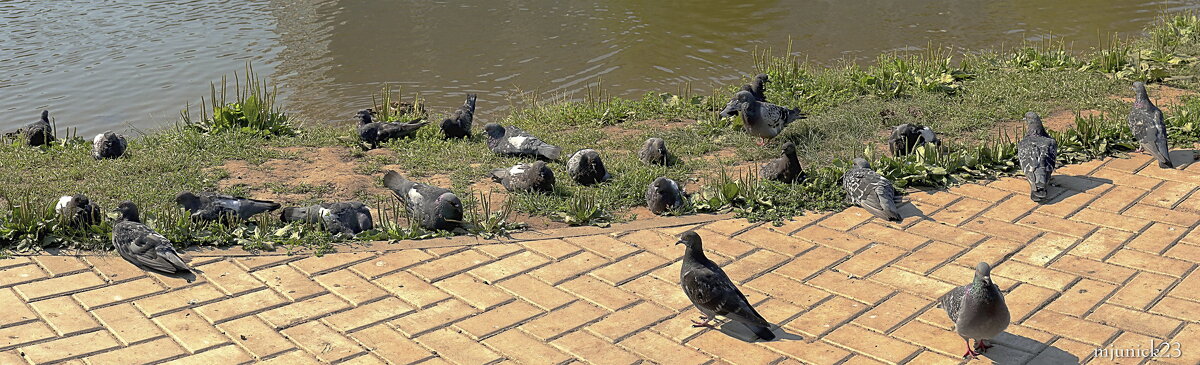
(133, 64)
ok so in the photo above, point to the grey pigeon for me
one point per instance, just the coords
(761, 119)
(37, 133)
(865, 188)
(515, 142)
(534, 176)
(459, 123)
(654, 152)
(141, 246)
(977, 310)
(1146, 123)
(586, 168)
(108, 145)
(210, 207)
(1037, 153)
(432, 207)
(78, 210)
(343, 217)
(713, 293)
(374, 133)
(662, 195)
(906, 137)
(786, 168)
(758, 87)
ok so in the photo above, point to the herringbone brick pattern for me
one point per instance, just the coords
(1108, 263)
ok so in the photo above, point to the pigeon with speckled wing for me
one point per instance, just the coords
(1146, 123)
(713, 293)
(108, 145)
(142, 246)
(761, 119)
(654, 152)
(534, 176)
(433, 207)
(1038, 154)
(342, 217)
(865, 188)
(513, 141)
(586, 167)
(209, 207)
(977, 310)
(663, 195)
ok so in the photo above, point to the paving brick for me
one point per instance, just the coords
(598, 292)
(191, 331)
(653, 241)
(457, 348)
(733, 350)
(960, 211)
(873, 344)
(473, 291)
(1092, 269)
(933, 358)
(1189, 288)
(59, 265)
(845, 220)
(525, 349)
(1124, 178)
(1025, 299)
(1081, 297)
(118, 293)
(143, 353)
(927, 258)
(23, 334)
(560, 321)
(728, 227)
(891, 312)
(1011, 209)
(303, 311)
(662, 350)
(537, 292)
(1045, 249)
(230, 278)
(241, 305)
(1118, 199)
(177, 299)
(1136, 321)
(995, 228)
(555, 249)
(20, 274)
(411, 289)
(622, 323)
(891, 236)
(1169, 174)
(1150, 262)
(230, 354)
(498, 319)
(810, 263)
(1176, 217)
(509, 266)
(912, 283)
(290, 282)
(724, 246)
(64, 315)
(15, 310)
(1189, 334)
(368, 314)
(1065, 204)
(69, 347)
(630, 267)
(1142, 290)
(298, 357)
(497, 250)
(961, 274)
(323, 342)
(390, 345)
(1131, 164)
(1168, 194)
(596, 351)
(869, 260)
(319, 264)
(810, 352)
(252, 263)
(389, 262)
(1110, 220)
(61, 285)
(350, 287)
(432, 317)
(1032, 274)
(940, 340)
(448, 266)
(1185, 252)
(860, 289)
(827, 316)
(604, 246)
(949, 234)
(562, 270)
(1053, 224)
(1063, 351)
(1101, 244)
(1071, 327)
(256, 337)
(1157, 238)
(1177, 308)
(787, 289)
(831, 238)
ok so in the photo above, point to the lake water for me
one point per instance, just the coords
(131, 65)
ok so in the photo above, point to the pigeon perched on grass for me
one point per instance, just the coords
(1146, 123)
(108, 145)
(761, 119)
(1037, 153)
(432, 207)
(906, 137)
(663, 195)
(37, 133)
(513, 141)
(374, 133)
(654, 152)
(977, 310)
(872, 192)
(534, 176)
(784, 169)
(459, 123)
(758, 87)
(344, 217)
(586, 168)
(210, 207)
(141, 246)
(78, 210)
(713, 293)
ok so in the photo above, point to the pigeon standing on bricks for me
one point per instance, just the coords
(906, 137)
(1146, 123)
(526, 177)
(784, 169)
(432, 207)
(977, 310)
(1038, 155)
(141, 246)
(654, 152)
(713, 293)
(872, 192)
(516, 142)
(586, 168)
(209, 207)
(761, 119)
(108, 145)
(343, 217)
(662, 195)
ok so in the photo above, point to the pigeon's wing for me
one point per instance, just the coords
(712, 290)
(140, 246)
(855, 187)
(952, 302)
(776, 169)
(881, 199)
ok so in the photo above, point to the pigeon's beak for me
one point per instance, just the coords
(679, 241)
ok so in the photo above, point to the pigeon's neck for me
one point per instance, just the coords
(983, 293)
(1037, 130)
(697, 255)
(1142, 101)
(366, 119)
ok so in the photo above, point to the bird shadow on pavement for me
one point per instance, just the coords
(1005, 350)
(185, 275)
(1184, 158)
(743, 333)
(1067, 186)
(910, 210)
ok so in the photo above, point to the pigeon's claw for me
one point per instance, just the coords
(981, 346)
(705, 323)
(970, 354)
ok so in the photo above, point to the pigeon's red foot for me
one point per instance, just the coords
(970, 354)
(762, 142)
(981, 346)
(705, 323)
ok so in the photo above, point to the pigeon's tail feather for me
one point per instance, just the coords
(392, 180)
(550, 152)
(266, 205)
(893, 213)
(173, 257)
(1163, 154)
(499, 174)
(763, 332)
(293, 214)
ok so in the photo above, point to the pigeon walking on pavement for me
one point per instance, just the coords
(663, 195)
(865, 188)
(534, 176)
(786, 168)
(142, 246)
(761, 119)
(1038, 155)
(210, 207)
(343, 217)
(977, 310)
(906, 137)
(108, 145)
(459, 123)
(430, 206)
(654, 152)
(375, 133)
(1146, 123)
(586, 167)
(713, 293)
(515, 142)
(78, 210)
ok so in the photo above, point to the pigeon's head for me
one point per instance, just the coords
(81, 200)
(1033, 123)
(448, 207)
(365, 116)
(741, 101)
(761, 78)
(983, 274)
(663, 185)
(494, 130)
(747, 88)
(1139, 87)
(656, 144)
(691, 240)
(188, 200)
(46, 116)
(128, 212)
(861, 163)
(789, 149)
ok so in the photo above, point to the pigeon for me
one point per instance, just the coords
(784, 169)
(459, 123)
(662, 195)
(344, 217)
(906, 137)
(435, 208)
(209, 207)
(757, 87)
(586, 168)
(375, 133)
(37, 133)
(141, 246)
(108, 145)
(713, 293)
(534, 176)
(1146, 123)
(516, 142)
(1037, 153)
(77, 210)
(761, 119)
(654, 152)
(977, 310)
(872, 192)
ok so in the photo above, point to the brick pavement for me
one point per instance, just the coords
(1108, 263)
